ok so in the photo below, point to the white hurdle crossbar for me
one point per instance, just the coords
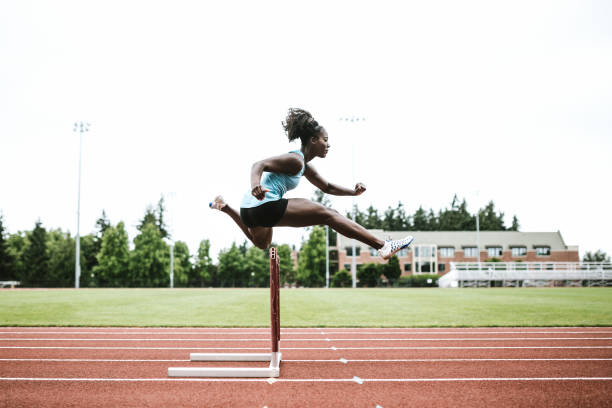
(274, 357)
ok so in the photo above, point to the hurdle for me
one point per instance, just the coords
(274, 357)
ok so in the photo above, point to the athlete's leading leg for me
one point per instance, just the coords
(302, 213)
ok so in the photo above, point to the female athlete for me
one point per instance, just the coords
(264, 207)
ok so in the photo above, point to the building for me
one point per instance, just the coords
(433, 251)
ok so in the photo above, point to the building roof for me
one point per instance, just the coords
(460, 239)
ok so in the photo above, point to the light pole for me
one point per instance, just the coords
(353, 119)
(171, 195)
(79, 127)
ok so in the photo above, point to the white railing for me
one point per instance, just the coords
(525, 271)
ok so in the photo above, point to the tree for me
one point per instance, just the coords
(372, 219)
(515, 224)
(7, 260)
(112, 269)
(286, 265)
(61, 252)
(36, 258)
(456, 218)
(257, 267)
(182, 264)
(150, 259)
(392, 269)
(231, 268)
(201, 274)
(89, 259)
(598, 256)
(155, 217)
(419, 220)
(311, 260)
(17, 244)
(490, 220)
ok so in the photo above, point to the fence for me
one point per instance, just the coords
(470, 274)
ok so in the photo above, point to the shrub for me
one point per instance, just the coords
(341, 279)
(369, 275)
(418, 281)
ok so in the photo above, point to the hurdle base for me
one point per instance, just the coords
(272, 371)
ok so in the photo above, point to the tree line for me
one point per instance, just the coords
(46, 258)
(454, 218)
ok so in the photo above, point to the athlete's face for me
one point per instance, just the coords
(321, 144)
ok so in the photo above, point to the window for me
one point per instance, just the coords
(470, 252)
(373, 251)
(441, 267)
(542, 251)
(519, 251)
(447, 252)
(347, 267)
(349, 251)
(407, 267)
(403, 252)
(494, 251)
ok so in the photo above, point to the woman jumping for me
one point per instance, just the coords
(264, 206)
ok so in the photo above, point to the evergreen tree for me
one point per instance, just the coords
(161, 225)
(372, 219)
(311, 260)
(36, 258)
(112, 269)
(490, 220)
(150, 259)
(7, 260)
(419, 220)
(515, 224)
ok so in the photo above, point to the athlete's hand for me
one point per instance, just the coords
(259, 192)
(359, 188)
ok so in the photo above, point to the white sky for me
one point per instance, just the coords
(511, 99)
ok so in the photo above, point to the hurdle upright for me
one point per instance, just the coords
(274, 357)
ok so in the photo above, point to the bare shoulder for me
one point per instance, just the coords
(290, 163)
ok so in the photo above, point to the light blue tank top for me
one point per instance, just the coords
(277, 183)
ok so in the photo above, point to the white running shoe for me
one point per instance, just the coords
(393, 247)
(218, 203)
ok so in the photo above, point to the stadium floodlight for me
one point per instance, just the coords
(81, 128)
(353, 119)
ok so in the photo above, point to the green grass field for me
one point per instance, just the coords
(308, 307)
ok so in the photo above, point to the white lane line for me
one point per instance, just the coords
(342, 360)
(134, 333)
(347, 380)
(267, 339)
(306, 348)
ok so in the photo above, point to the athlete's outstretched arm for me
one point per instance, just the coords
(287, 163)
(328, 188)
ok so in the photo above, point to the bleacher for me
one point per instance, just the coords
(527, 274)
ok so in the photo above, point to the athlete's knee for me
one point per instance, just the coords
(330, 215)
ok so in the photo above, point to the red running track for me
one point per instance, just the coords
(348, 367)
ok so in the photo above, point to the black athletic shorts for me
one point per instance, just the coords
(265, 215)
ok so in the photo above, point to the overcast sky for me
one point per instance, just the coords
(512, 100)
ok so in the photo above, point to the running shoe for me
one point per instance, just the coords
(218, 203)
(392, 247)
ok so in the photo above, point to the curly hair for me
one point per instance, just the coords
(300, 124)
